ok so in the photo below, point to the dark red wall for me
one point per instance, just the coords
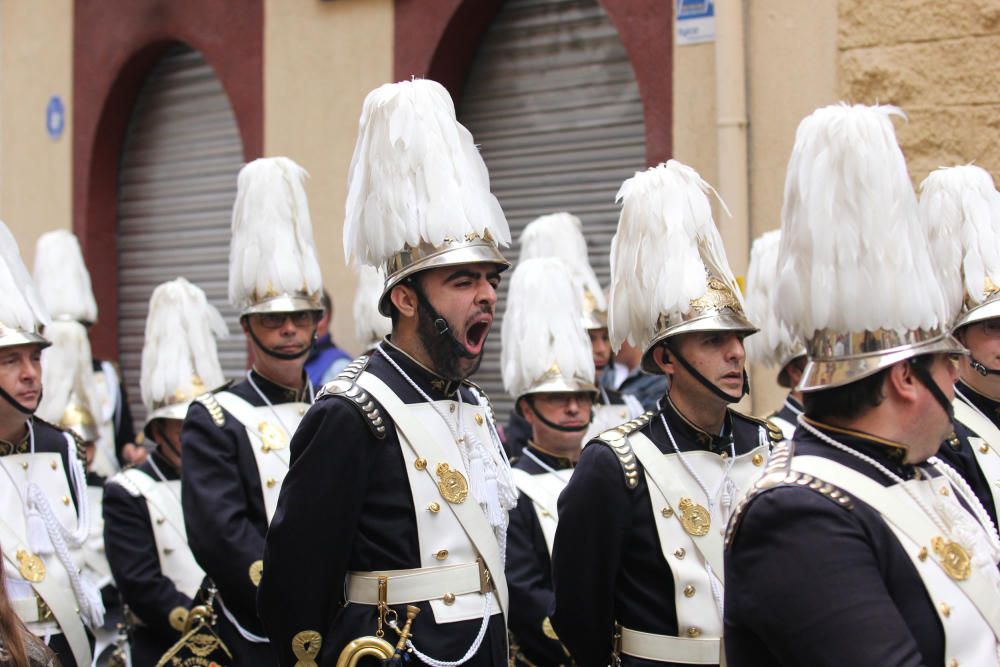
(437, 39)
(115, 43)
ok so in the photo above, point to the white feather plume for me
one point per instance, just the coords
(960, 210)
(62, 277)
(67, 371)
(561, 235)
(416, 176)
(542, 327)
(665, 248)
(773, 343)
(22, 306)
(272, 249)
(181, 329)
(854, 255)
(370, 326)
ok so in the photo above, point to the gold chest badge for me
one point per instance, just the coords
(695, 519)
(31, 567)
(953, 557)
(452, 484)
(273, 436)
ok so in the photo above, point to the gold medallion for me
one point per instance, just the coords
(953, 558)
(694, 518)
(306, 646)
(273, 437)
(452, 484)
(30, 566)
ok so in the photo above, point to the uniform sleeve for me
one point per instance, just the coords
(811, 592)
(224, 541)
(135, 564)
(531, 596)
(594, 518)
(311, 536)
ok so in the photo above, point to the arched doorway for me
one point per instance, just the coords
(553, 102)
(176, 186)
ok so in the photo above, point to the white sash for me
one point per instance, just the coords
(469, 514)
(543, 490)
(989, 439)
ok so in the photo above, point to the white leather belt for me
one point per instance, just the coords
(666, 648)
(427, 583)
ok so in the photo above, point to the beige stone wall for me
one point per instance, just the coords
(36, 43)
(320, 60)
(936, 60)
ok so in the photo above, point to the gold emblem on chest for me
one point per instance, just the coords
(452, 485)
(695, 519)
(273, 436)
(953, 557)
(31, 567)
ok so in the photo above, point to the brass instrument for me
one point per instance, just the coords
(376, 647)
(199, 644)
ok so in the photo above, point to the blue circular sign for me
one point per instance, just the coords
(55, 117)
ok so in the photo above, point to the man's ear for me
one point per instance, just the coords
(404, 298)
(661, 357)
(245, 324)
(901, 383)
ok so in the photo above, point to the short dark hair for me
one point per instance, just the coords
(851, 401)
(326, 302)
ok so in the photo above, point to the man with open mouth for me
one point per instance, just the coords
(637, 560)
(391, 528)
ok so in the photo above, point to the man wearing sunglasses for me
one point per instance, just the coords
(236, 441)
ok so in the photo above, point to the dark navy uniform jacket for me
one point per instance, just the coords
(135, 565)
(607, 561)
(810, 581)
(529, 573)
(224, 512)
(346, 506)
(957, 450)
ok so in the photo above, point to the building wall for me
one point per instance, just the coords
(36, 44)
(321, 59)
(937, 61)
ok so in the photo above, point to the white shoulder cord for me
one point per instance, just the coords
(288, 432)
(795, 410)
(246, 634)
(559, 474)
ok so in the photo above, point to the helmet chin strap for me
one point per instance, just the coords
(728, 398)
(17, 406)
(441, 325)
(925, 378)
(280, 355)
(981, 368)
(558, 427)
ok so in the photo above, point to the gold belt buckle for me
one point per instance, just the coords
(484, 577)
(383, 591)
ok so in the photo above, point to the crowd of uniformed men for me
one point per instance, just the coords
(380, 517)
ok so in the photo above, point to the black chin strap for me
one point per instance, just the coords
(558, 427)
(17, 406)
(981, 368)
(441, 325)
(925, 378)
(705, 381)
(279, 355)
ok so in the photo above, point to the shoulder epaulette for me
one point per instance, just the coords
(774, 433)
(214, 409)
(617, 439)
(123, 481)
(345, 385)
(779, 473)
(81, 445)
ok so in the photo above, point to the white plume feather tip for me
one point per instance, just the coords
(22, 306)
(541, 327)
(181, 329)
(960, 211)
(62, 277)
(272, 249)
(854, 256)
(67, 371)
(370, 326)
(560, 235)
(773, 343)
(416, 176)
(666, 246)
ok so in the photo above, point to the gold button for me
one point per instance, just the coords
(724, 455)
(693, 632)
(420, 464)
(178, 617)
(922, 554)
(680, 553)
(689, 591)
(441, 555)
(160, 520)
(757, 460)
(479, 419)
(667, 512)
(943, 490)
(449, 598)
(451, 408)
(271, 482)
(53, 464)
(168, 551)
(256, 572)
(984, 448)
(945, 609)
(623, 414)
(434, 507)
(953, 663)
(65, 500)
(302, 412)
(24, 465)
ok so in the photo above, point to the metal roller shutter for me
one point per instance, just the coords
(553, 103)
(176, 187)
